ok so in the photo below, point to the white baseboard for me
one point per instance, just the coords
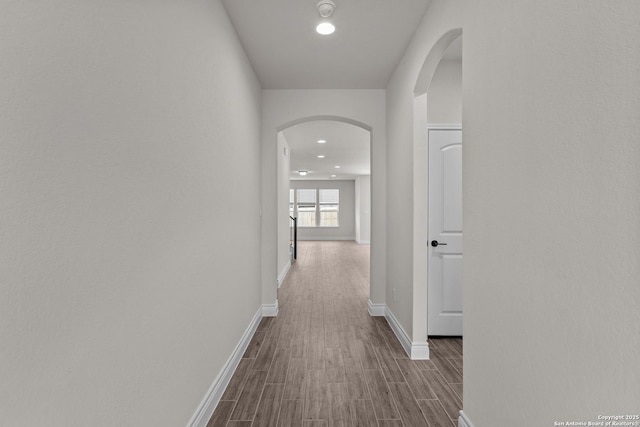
(419, 351)
(363, 242)
(283, 273)
(415, 350)
(324, 238)
(444, 126)
(463, 420)
(376, 309)
(211, 399)
(270, 310)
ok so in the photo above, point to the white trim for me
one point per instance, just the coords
(415, 350)
(376, 309)
(270, 310)
(322, 238)
(419, 351)
(283, 273)
(363, 242)
(398, 330)
(436, 126)
(205, 410)
(464, 421)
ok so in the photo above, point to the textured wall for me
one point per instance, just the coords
(406, 163)
(444, 98)
(551, 211)
(121, 126)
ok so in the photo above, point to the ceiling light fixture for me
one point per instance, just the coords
(333, 176)
(321, 156)
(337, 167)
(302, 173)
(325, 28)
(325, 10)
(322, 141)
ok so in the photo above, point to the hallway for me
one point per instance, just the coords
(325, 362)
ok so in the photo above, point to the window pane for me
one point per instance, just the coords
(306, 216)
(329, 207)
(330, 196)
(307, 207)
(307, 196)
(329, 215)
(329, 218)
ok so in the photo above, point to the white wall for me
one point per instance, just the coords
(363, 209)
(552, 208)
(407, 175)
(122, 246)
(444, 97)
(284, 234)
(282, 107)
(346, 215)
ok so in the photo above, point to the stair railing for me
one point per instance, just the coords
(293, 239)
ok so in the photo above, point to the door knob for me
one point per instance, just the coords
(435, 243)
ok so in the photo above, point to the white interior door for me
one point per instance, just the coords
(445, 233)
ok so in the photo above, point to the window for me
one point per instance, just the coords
(315, 207)
(291, 201)
(306, 208)
(329, 207)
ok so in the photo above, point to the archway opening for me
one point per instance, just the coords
(431, 92)
(324, 181)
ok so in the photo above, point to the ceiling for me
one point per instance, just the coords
(286, 53)
(347, 146)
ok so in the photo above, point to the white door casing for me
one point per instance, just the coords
(444, 290)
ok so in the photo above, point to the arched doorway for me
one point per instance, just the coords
(333, 153)
(420, 175)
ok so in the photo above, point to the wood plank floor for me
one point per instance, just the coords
(325, 362)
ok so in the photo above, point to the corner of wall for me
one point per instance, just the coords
(376, 310)
(414, 349)
(270, 310)
(463, 420)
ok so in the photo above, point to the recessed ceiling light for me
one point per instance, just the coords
(325, 28)
(321, 156)
(333, 176)
(302, 173)
(337, 167)
(322, 141)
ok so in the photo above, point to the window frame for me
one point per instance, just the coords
(317, 210)
(335, 203)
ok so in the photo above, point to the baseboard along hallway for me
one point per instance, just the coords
(324, 361)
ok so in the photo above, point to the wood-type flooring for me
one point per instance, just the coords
(325, 362)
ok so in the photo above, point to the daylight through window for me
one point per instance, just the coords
(315, 207)
(306, 208)
(329, 204)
